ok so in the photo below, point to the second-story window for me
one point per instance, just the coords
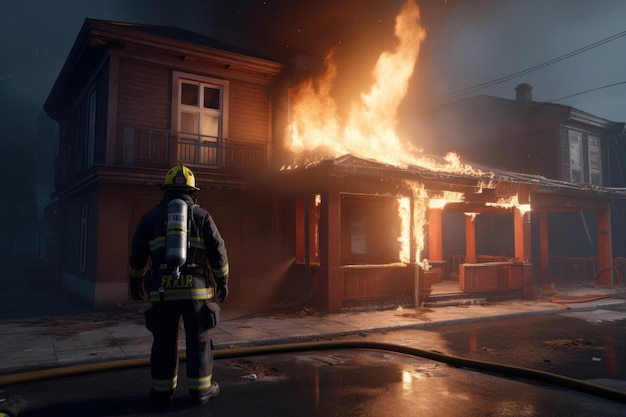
(595, 161)
(575, 157)
(585, 158)
(200, 118)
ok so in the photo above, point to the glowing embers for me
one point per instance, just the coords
(511, 202)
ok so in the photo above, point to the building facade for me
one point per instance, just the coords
(551, 140)
(133, 100)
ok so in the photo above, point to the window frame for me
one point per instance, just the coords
(588, 148)
(594, 172)
(575, 146)
(194, 148)
(92, 109)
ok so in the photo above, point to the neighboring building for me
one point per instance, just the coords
(133, 100)
(551, 140)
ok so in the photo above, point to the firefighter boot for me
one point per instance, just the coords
(203, 397)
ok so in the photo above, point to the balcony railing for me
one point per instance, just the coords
(144, 147)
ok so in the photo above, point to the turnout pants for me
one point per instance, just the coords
(163, 321)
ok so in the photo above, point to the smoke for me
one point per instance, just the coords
(302, 33)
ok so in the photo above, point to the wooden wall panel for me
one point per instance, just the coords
(248, 112)
(144, 95)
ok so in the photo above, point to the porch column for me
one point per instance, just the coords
(521, 228)
(605, 256)
(330, 249)
(521, 222)
(435, 246)
(543, 245)
(470, 240)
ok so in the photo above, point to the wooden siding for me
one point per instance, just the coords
(534, 152)
(248, 112)
(492, 276)
(143, 98)
(102, 104)
(144, 101)
(375, 281)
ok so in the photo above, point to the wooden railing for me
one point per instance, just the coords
(570, 269)
(375, 281)
(143, 147)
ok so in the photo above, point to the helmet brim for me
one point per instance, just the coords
(178, 187)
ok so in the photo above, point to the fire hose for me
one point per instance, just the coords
(459, 362)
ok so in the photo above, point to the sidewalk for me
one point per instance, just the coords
(28, 344)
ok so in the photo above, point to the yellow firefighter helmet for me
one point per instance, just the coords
(180, 178)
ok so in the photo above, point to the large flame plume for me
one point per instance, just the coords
(369, 128)
(315, 130)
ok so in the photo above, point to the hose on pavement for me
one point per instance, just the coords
(459, 362)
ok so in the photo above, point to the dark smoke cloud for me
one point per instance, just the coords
(302, 33)
(468, 42)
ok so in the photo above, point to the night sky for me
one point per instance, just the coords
(468, 42)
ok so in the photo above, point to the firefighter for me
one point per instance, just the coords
(187, 277)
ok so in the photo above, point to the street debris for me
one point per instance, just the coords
(564, 297)
(68, 326)
(13, 405)
(418, 313)
(255, 371)
(578, 342)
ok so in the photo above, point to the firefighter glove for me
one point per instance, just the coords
(136, 288)
(222, 292)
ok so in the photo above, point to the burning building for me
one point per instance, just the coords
(317, 202)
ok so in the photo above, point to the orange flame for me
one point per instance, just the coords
(511, 202)
(369, 131)
(315, 128)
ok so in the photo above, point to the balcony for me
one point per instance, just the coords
(144, 148)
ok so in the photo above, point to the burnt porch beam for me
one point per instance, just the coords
(474, 208)
(470, 240)
(605, 263)
(435, 244)
(330, 250)
(542, 202)
(521, 227)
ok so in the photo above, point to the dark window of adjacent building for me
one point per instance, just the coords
(585, 158)
(595, 160)
(575, 157)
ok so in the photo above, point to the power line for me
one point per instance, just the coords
(585, 92)
(467, 90)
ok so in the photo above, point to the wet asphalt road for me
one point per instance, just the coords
(329, 383)
(588, 346)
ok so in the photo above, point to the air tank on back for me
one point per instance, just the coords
(176, 237)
